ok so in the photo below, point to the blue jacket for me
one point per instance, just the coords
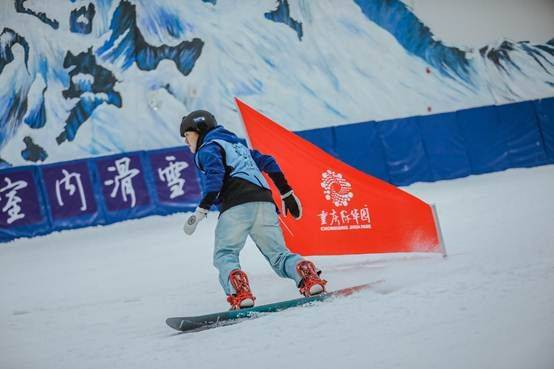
(224, 160)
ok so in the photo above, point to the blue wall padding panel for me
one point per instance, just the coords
(485, 139)
(322, 137)
(545, 113)
(37, 200)
(405, 153)
(445, 146)
(360, 146)
(23, 210)
(524, 144)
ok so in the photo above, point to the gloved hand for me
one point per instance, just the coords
(291, 204)
(194, 219)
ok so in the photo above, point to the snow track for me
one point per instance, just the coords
(98, 297)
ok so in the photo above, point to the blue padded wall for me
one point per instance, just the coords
(484, 138)
(361, 146)
(522, 134)
(545, 115)
(404, 150)
(447, 145)
(322, 137)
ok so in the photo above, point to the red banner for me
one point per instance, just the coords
(345, 211)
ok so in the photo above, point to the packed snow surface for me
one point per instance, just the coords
(98, 297)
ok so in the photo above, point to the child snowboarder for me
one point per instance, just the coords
(233, 180)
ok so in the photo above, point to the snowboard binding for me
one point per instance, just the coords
(243, 297)
(310, 284)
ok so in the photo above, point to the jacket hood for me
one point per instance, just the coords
(218, 133)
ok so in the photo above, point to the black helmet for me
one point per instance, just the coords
(200, 121)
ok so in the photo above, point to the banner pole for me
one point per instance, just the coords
(439, 230)
(247, 135)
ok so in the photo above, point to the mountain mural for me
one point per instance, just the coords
(97, 77)
(21, 8)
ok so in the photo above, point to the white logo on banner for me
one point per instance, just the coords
(123, 181)
(12, 207)
(172, 175)
(70, 188)
(335, 188)
(339, 191)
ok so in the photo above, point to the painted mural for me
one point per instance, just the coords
(89, 78)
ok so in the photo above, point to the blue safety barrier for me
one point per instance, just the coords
(545, 115)
(36, 200)
(445, 146)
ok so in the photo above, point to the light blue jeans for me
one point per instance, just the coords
(259, 221)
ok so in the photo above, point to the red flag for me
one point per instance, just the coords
(345, 211)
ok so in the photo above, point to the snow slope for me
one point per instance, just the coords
(98, 297)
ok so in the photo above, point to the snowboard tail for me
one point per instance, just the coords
(202, 322)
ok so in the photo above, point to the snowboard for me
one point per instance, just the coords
(203, 322)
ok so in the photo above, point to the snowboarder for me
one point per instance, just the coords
(232, 178)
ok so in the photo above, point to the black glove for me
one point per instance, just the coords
(279, 179)
(208, 200)
(291, 204)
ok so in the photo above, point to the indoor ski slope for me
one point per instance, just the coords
(98, 297)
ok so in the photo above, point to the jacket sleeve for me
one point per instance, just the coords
(267, 163)
(210, 162)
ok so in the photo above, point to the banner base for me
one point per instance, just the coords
(439, 230)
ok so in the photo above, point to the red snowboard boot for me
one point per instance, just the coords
(310, 284)
(243, 298)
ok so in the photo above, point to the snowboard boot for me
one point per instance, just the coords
(310, 284)
(243, 297)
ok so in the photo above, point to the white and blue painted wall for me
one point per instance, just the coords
(89, 78)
